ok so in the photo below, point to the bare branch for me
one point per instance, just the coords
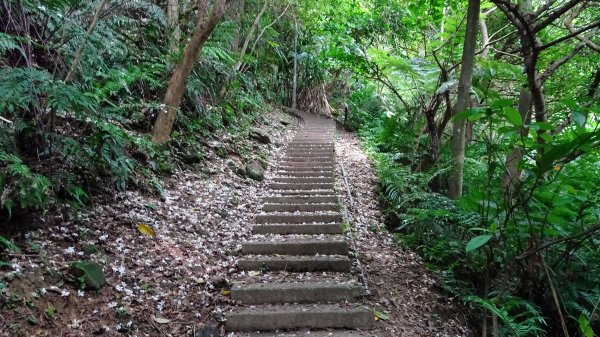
(558, 63)
(569, 25)
(555, 15)
(566, 37)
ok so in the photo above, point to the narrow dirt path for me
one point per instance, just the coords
(399, 285)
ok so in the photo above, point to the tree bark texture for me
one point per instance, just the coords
(512, 171)
(455, 180)
(204, 27)
(173, 21)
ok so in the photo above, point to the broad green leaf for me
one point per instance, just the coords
(513, 116)
(579, 118)
(584, 326)
(380, 315)
(477, 242)
(89, 274)
(501, 103)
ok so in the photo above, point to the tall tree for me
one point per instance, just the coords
(207, 21)
(173, 21)
(455, 180)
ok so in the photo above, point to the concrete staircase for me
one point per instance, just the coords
(300, 230)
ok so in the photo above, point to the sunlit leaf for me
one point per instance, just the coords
(146, 230)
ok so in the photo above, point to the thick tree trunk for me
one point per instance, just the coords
(173, 21)
(204, 27)
(455, 180)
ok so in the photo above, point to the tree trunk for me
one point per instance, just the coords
(253, 28)
(204, 27)
(455, 180)
(485, 37)
(512, 171)
(295, 80)
(79, 52)
(173, 22)
(234, 13)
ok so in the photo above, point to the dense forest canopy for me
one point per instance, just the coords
(481, 116)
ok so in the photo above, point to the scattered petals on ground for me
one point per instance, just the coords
(400, 287)
(165, 284)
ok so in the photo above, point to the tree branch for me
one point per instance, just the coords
(588, 232)
(569, 25)
(555, 15)
(566, 37)
(558, 63)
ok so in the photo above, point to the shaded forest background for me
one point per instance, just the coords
(482, 119)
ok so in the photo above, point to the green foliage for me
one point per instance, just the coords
(520, 318)
(20, 187)
(89, 274)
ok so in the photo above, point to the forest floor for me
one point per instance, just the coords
(176, 283)
(399, 284)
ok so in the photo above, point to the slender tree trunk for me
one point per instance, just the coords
(253, 28)
(173, 21)
(455, 180)
(512, 172)
(234, 13)
(485, 37)
(204, 27)
(79, 52)
(295, 80)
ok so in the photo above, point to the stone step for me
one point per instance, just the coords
(296, 247)
(299, 207)
(309, 180)
(296, 263)
(310, 149)
(313, 333)
(304, 192)
(303, 174)
(313, 136)
(309, 159)
(328, 170)
(302, 186)
(311, 145)
(300, 153)
(285, 317)
(311, 229)
(301, 200)
(299, 164)
(274, 218)
(298, 292)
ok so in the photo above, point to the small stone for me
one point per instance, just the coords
(254, 170)
(260, 135)
(219, 282)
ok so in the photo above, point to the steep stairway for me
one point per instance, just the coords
(299, 271)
